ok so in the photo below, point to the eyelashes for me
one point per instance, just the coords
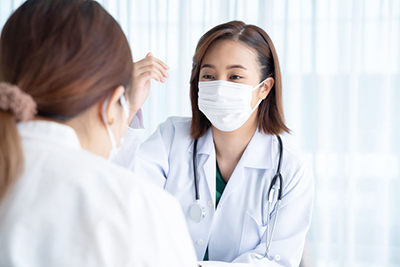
(232, 77)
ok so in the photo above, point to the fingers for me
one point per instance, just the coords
(148, 60)
(165, 66)
(150, 75)
(161, 66)
(156, 67)
(151, 64)
(154, 72)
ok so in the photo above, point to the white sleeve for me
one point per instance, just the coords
(160, 236)
(152, 161)
(133, 137)
(179, 240)
(293, 222)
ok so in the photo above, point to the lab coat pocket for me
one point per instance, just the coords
(252, 232)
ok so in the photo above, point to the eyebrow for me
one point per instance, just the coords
(208, 66)
(235, 67)
(228, 67)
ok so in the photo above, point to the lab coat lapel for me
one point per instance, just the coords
(237, 178)
(257, 155)
(206, 163)
(209, 169)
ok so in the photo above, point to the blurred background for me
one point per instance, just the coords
(340, 61)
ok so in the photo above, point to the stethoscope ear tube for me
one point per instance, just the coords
(278, 172)
(196, 189)
(196, 211)
(271, 193)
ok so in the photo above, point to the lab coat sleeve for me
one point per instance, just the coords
(293, 222)
(133, 137)
(152, 161)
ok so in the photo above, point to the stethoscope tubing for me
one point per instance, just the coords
(196, 189)
(271, 193)
(277, 176)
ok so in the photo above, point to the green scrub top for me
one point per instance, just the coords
(220, 187)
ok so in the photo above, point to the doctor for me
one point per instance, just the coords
(220, 163)
(65, 91)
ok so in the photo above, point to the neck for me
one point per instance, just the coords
(229, 146)
(91, 133)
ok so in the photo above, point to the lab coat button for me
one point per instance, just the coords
(210, 203)
(200, 242)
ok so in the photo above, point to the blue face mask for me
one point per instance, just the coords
(114, 147)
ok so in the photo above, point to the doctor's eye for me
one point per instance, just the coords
(207, 76)
(235, 77)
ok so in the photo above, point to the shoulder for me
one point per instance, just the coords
(290, 151)
(174, 129)
(96, 167)
(98, 182)
(177, 124)
(77, 170)
(296, 167)
(129, 186)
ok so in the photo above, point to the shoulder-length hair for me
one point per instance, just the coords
(67, 55)
(271, 119)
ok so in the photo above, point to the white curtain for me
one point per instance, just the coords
(341, 79)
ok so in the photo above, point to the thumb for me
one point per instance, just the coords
(149, 54)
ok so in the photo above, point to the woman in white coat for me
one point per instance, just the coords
(231, 145)
(66, 83)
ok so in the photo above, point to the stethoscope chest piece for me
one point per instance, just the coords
(197, 212)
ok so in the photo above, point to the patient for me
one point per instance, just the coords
(65, 96)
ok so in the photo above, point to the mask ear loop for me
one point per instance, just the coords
(109, 131)
(258, 86)
(260, 100)
(122, 101)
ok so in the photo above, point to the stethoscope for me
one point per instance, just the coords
(197, 212)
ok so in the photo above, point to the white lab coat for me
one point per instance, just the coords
(73, 208)
(235, 229)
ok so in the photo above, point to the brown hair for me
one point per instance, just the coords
(270, 115)
(66, 54)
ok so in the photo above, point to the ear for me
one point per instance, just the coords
(266, 87)
(111, 109)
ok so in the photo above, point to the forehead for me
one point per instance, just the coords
(223, 53)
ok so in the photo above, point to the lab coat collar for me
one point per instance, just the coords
(49, 132)
(260, 151)
(205, 144)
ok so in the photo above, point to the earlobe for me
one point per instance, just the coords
(113, 100)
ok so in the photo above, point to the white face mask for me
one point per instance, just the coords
(226, 104)
(114, 148)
